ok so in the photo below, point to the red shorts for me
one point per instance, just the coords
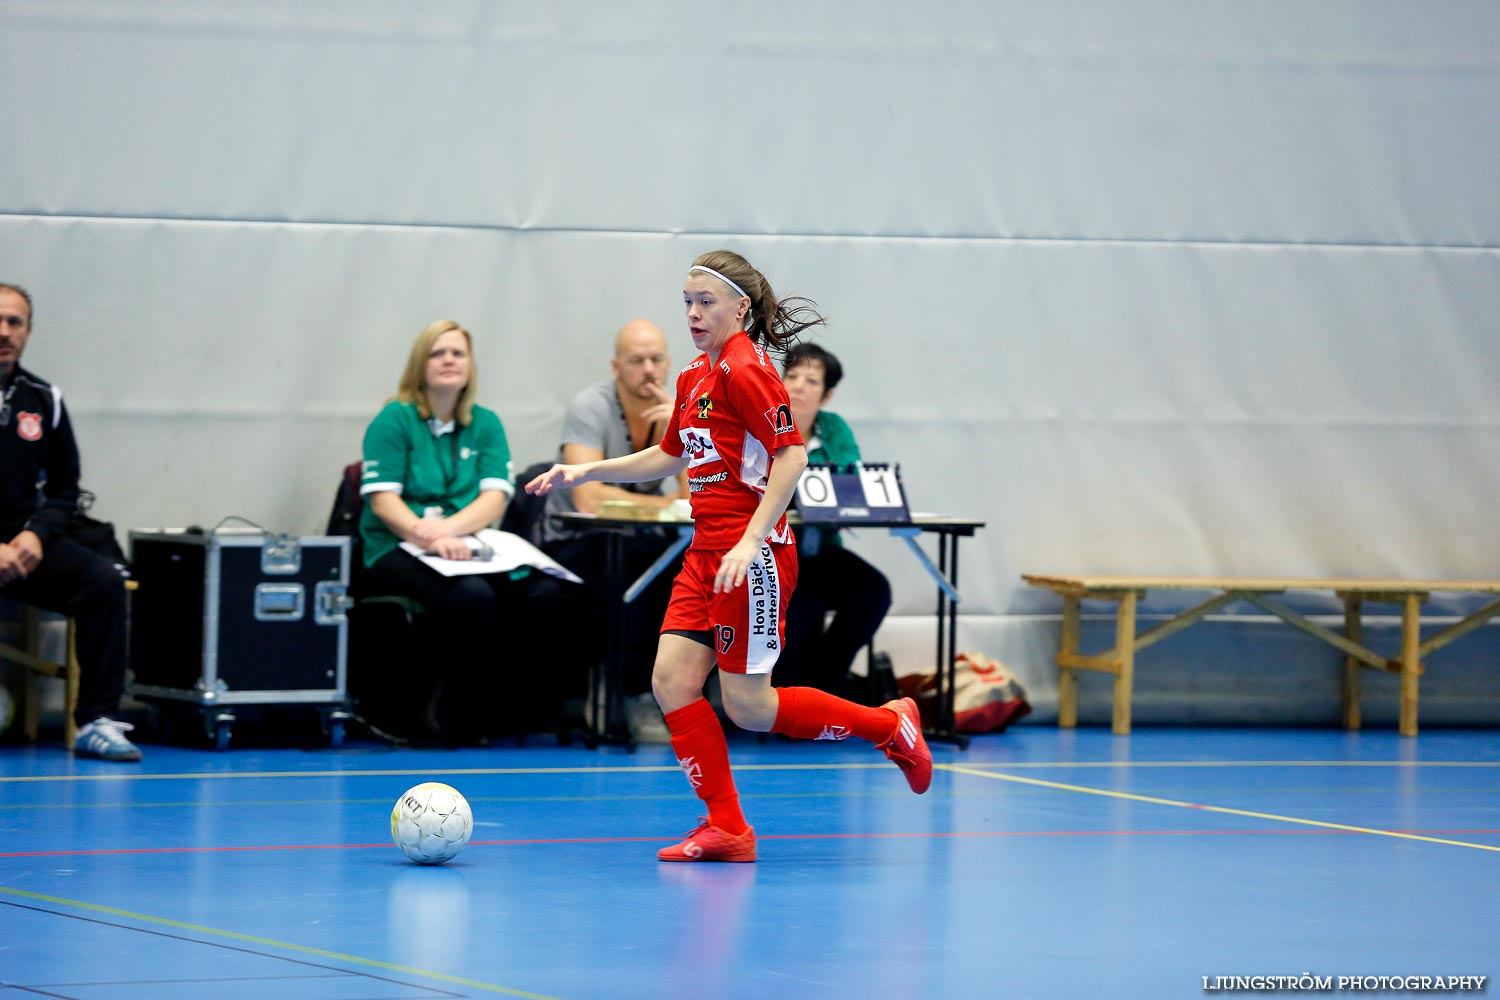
(749, 622)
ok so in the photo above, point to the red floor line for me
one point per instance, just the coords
(773, 836)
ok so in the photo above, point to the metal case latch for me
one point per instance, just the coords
(281, 555)
(331, 602)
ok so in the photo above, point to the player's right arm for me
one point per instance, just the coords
(588, 496)
(648, 463)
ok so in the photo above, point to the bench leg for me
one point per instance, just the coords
(1125, 651)
(30, 640)
(70, 685)
(1411, 641)
(1354, 632)
(31, 698)
(1067, 677)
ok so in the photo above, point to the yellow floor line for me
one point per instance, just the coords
(640, 769)
(272, 943)
(1204, 808)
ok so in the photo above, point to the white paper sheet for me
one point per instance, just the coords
(508, 551)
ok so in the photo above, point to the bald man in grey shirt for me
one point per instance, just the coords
(620, 416)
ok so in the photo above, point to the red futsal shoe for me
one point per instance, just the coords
(907, 746)
(709, 843)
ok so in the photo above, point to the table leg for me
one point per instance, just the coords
(961, 740)
(1411, 640)
(945, 728)
(1354, 632)
(1125, 650)
(1067, 677)
(607, 694)
(943, 655)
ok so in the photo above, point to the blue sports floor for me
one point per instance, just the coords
(1042, 863)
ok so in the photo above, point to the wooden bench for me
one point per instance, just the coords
(26, 652)
(1126, 591)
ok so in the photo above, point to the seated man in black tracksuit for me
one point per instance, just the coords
(38, 564)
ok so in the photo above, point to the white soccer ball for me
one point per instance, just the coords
(431, 823)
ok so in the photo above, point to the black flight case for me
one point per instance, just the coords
(225, 620)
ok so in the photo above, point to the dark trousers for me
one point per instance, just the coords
(585, 555)
(488, 642)
(88, 588)
(857, 593)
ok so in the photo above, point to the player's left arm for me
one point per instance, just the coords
(786, 469)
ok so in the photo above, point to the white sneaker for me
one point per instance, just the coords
(105, 739)
(644, 717)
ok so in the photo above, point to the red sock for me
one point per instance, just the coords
(810, 714)
(698, 741)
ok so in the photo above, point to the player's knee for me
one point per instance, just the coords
(740, 714)
(673, 687)
(752, 709)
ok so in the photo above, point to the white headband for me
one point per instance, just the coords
(716, 274)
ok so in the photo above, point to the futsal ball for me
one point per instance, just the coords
(431, 823)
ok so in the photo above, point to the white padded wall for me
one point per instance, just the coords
(1168, 287)
(1350, 122)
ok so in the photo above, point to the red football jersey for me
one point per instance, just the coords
(730, 419)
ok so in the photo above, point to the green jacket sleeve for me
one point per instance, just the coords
(387, 452)
(495, 472)
(838, 444)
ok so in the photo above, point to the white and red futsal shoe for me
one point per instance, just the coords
(710, 843)
(907, 746)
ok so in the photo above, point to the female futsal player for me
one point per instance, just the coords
(732, 429)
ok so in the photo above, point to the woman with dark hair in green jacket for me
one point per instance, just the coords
(831, 577)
